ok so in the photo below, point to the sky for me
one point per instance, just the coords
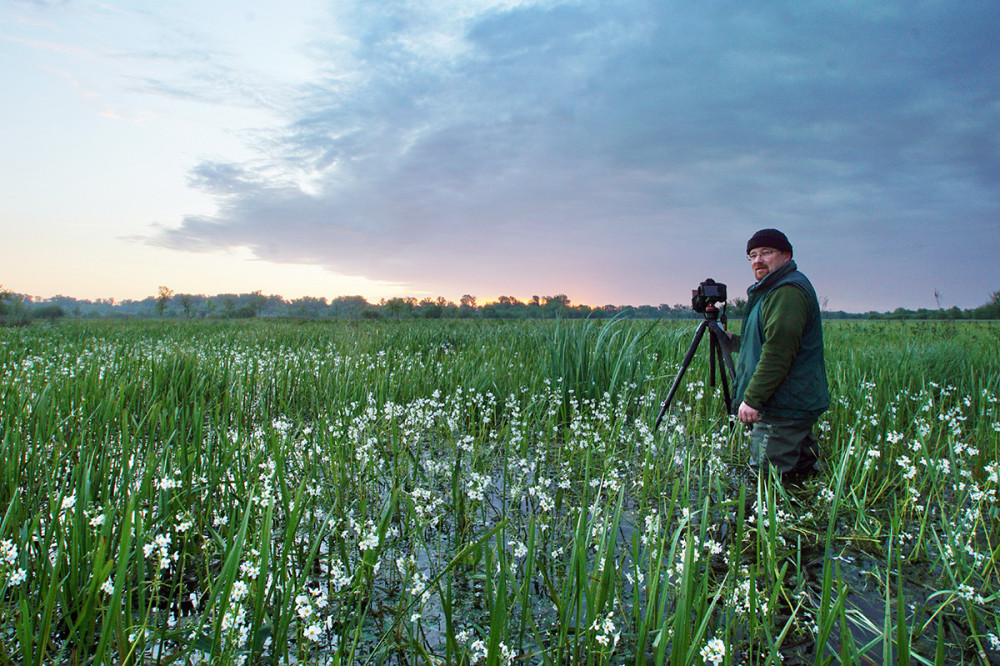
(617, 152)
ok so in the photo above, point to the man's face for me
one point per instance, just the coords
(764, 260)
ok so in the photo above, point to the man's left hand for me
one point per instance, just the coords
(748, 414)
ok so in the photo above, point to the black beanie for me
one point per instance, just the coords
(769, 238)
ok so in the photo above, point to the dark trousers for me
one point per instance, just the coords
(787, 445)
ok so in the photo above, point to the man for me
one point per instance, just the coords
(780, 374)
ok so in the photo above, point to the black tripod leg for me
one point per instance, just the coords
(713, 350)
(725, 347)
(725, 379)
(723, 356)
(684, 366)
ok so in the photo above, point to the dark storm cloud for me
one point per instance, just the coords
(623, 150)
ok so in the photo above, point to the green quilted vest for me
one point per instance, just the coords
(803, 393)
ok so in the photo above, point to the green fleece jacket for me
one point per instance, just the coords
(780, 368)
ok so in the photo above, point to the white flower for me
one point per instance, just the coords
(370, 542)
(8, 551)
(303, 607)
(167, 483)
(108, 587)
(69, 502)
(250, 570)
(97, 520)
(184, 523)
(478, 651)
(240, 591)
(714, 651)
(313, 632)
(17, 577)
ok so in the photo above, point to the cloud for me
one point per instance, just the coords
(549, 144)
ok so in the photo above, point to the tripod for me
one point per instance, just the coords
(720, 354)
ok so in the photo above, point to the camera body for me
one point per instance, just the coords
(708, 293)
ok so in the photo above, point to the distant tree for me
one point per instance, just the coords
(555, 306)
(187, 305)
(50, 311)
(432, 311)
(12, 312)
(738, 306)
(990, 309)
(163, 297)
(467, 305)
(646, 312)
(400, 307)
(258, 301)
(349, 306)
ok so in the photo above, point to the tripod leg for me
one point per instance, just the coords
(720, 353)
(725, 348)
(713, 351)
(684, 366)
(723, 357)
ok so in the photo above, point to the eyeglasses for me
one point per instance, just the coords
(763, 254)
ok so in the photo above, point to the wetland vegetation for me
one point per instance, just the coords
(450, 491)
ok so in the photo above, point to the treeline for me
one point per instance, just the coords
(169, 305)
(18, 309)
(989, 310)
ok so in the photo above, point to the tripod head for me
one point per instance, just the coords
(713, 313)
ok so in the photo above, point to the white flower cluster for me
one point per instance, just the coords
(518, 548)
(250, 568)
(167, 483)
(370, 539)
(309, 608)
(234, 626)
(714, 651)
(478, 653)
(541, 493)
(606, 633)
(8, 552)
(741, 596)
(160, 545)
(477, 485)
(969, 593)
(909, 469)
(427, 506)
(339, 578)
(8, 558)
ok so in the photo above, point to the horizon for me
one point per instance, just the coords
(480, 302)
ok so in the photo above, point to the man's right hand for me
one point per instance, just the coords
(748, 414)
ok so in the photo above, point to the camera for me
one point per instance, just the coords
(708, 293)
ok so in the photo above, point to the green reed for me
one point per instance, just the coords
(358, 492)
